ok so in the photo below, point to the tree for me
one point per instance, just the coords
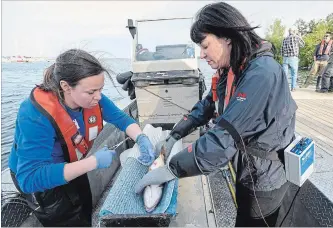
(275, 35)
(302, 27)
(329, 21)
(312, 24)
(329, 17)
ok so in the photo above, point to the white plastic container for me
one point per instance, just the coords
(299, 160)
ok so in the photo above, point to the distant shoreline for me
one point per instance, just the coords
(41, 59)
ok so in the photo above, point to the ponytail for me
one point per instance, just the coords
(49, 82)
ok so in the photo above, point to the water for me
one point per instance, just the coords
(18, 79)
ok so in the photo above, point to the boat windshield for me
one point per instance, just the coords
(164, 40)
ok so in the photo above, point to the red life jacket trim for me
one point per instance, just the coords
(328, 47)
(230, 88)
(141, 51)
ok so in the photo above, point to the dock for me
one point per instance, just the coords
(314, 119)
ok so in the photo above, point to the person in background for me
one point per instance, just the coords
(290, 52)
(320, 57)
(327, 76)
(55, 128)
(254, 106)
(190, 52)
(143, 54)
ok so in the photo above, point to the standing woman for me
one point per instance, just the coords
(255, 106)
(55, 128)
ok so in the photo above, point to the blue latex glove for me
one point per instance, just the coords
(147, 152)
(104, 157)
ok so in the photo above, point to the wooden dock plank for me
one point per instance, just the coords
(318, 119)
(314, 117)
(323, 103)
(315, 110)
(317, 126)
(304, 130)
(319, 107)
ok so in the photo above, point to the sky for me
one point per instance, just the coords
(47, 28)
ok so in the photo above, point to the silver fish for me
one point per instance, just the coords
(153, 193)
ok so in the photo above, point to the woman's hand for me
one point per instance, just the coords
(147, 151)
(101, 159)
(155, 177)
(104, 157)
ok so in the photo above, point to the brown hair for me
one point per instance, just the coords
(70, 66)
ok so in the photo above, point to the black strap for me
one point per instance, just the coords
(273, 156)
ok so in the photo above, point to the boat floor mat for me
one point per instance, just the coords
(123, 206)
(224, 207)
(122, 198)
(142, 220)
(302, 207)
(309, 207)
(14, 212)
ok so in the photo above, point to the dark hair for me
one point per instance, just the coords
(70, 66)
(224, 21)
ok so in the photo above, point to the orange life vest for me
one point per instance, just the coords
(74, 146)
(230, 88)
(328, 47)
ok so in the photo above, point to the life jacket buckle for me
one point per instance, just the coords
(80, 143)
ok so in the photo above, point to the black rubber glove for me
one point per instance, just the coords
(165, 146)
(183, 164)
(183, 128)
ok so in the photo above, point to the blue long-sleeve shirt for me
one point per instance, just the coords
(36, 156)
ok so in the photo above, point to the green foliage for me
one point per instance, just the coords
(275, 35)
(312, 33)
(311, 40)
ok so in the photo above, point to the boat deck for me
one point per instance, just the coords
(207, 202)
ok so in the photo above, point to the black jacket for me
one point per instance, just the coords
(263, 113)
